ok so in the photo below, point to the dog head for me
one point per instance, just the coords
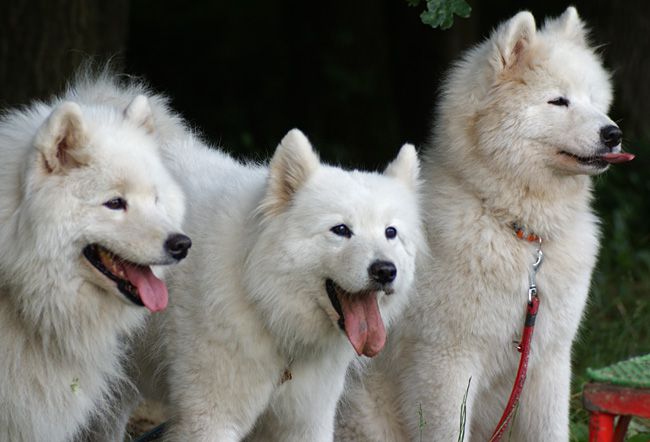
(99, 206)
(336, 248)
(535, 101)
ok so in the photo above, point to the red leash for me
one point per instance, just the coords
(527, 335)
(524, 349)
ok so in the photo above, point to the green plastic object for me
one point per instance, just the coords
(634, 373)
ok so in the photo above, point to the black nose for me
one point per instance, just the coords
(177, 245)
(611, 135)
(382, 271)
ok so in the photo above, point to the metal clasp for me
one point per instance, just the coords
(532, 285)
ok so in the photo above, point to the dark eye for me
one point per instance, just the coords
(341, 230)
(116, 204)
(390, 232)
(559, 101)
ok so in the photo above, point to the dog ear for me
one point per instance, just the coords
(292, 164)
(405, 167)
(512, 39)
(569, 25)
(139, 113)
(61, 138)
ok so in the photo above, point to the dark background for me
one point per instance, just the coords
(360, 78)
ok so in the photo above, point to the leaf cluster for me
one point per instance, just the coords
(440, 13)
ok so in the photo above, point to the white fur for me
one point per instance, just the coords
(250, 302)
(495, 160)
(62, 323)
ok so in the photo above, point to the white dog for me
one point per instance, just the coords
(289, 260)
(522, 124)
(86, 206)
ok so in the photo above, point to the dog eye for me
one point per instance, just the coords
(341, 230)
(390, 232)
(116, 204)
(559, 101)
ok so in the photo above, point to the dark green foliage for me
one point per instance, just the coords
(616, 324)
(641, 437)
(440, 13)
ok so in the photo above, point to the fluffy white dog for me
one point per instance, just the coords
(86, 206)
(295, 268)
(522, 124)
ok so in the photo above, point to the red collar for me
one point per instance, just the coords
(522, 232)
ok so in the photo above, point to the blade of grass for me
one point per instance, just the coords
(463, 413)
(421, 421)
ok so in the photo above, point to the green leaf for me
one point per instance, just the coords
(440, 13)
(641, 437)
(461, 8)
(579, 432)
(74, 386)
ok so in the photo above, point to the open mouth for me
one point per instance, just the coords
(359, 318)
(135, 281)
(600, 161)
(595, 161)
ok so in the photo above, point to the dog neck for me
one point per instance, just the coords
(544, 209)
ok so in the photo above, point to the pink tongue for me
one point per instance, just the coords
(363, 323)
(621, 157)
(152, 290)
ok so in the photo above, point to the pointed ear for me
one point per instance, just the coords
(292, 164)
(512, 40)
(61, 138)
(405, 167)
(139, 113)
(568, 25)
